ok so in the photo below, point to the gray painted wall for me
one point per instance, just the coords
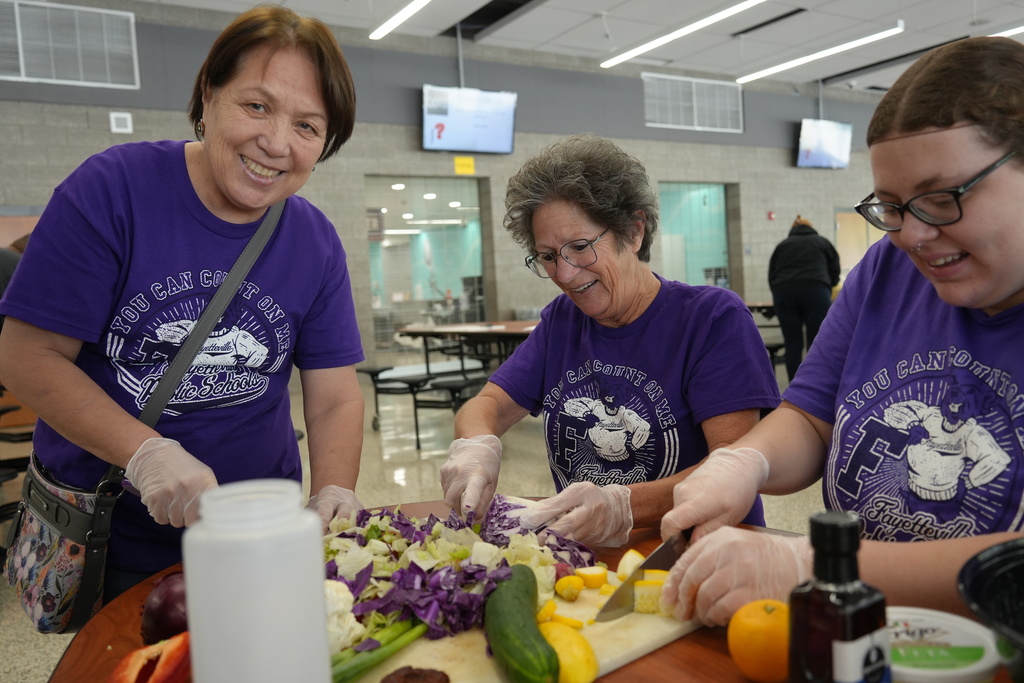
(47, 130)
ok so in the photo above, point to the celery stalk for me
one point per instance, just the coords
(350, 670)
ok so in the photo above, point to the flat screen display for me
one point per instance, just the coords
(824, 144)
(468, 120)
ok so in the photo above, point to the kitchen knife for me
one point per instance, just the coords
(664, 556)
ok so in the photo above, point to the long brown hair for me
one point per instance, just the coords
(274, 25)
(978, 81)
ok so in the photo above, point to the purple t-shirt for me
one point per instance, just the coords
(926, 403)
(624, 405)
(126, 258)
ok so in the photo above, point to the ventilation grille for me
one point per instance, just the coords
(692, 103)
(48, 43)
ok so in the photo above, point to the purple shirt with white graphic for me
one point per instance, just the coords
(624, 405)
(926, 403)
(126, 258)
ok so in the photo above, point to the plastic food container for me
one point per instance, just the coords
(928, 646)
(992, 584)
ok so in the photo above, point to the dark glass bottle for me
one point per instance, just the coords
(838, 630)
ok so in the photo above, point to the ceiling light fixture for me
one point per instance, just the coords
(454, 205)
(398, 186)
(430, 195)
(407, 216)
(436, 221)
(679, 33)
(402, 232)
(400, 17)
(822, 54)
(1011, 32)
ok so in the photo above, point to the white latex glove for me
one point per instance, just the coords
(170, 480)
(470, 475)
(729, 568)
(333, 502)
(593, 515)
(718, 493)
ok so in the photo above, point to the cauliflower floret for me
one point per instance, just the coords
(343, 630)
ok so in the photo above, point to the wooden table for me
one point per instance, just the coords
(700, 657)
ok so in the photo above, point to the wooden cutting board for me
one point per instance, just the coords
(465, 659)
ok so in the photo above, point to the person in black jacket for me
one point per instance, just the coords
(801, 273)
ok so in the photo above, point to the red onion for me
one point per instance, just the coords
(164, 614)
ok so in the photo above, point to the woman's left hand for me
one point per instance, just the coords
(591, 514)
(333, 502)
(729, 568)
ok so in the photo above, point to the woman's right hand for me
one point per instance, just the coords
(470, 475)
(718, 493)
(170, 481)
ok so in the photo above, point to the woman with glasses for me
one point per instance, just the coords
(637, 377)
(909, 406)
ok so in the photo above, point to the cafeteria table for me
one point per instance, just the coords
(698, 657)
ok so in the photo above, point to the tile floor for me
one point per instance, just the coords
(392, 471)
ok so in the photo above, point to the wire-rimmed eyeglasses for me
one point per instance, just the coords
(579, 253)
(938, 207)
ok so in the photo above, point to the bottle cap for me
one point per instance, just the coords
(835, 532)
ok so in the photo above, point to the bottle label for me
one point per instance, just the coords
(865, 660)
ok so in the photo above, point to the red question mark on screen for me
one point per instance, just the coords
(439, 127)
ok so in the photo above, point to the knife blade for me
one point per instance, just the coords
(620, 603)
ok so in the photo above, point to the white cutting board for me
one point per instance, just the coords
(465, 659)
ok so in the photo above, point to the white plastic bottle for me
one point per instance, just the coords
(254, 581)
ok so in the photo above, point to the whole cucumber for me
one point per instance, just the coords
(510, 621)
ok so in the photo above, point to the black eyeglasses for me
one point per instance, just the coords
(939, 207)
(579, 253)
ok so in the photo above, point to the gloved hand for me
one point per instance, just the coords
(593, 515)
(729, 568)
(470, 475)
(333, 502)
(718, 493)
(169, 480)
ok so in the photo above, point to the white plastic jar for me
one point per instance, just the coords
(254, 581)
(928, 646)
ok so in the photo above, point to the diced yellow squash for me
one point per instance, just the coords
(569, 587)
(655, 574)
(568, 621)
(546, 611)
(593, 577)
(606, 589)
(647, 597)
(630, 560)
(577, 662)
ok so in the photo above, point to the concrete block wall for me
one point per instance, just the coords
(42, 144)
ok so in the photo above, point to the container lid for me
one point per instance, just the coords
(928, 646)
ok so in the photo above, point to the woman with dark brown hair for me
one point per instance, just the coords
(142, 235)
(908, 406)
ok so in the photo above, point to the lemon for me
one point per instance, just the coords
(577, 662)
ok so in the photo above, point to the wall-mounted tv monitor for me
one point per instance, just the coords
(824, 144)
(468, 120)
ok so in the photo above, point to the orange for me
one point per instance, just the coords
(758, 637)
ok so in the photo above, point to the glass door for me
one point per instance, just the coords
(425, 253)
(693, 233)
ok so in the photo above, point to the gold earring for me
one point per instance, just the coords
(200, 129)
